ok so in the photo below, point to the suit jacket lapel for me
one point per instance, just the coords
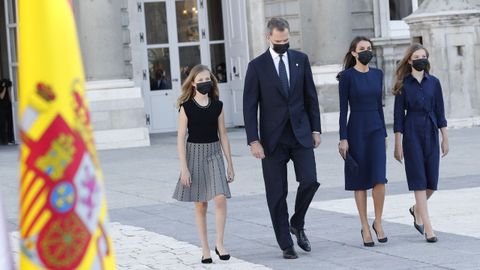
(292, 66)
(272, 71)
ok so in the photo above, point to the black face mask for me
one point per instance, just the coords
(281, 48)
(420, 64)
(365, 56)
(204, 87)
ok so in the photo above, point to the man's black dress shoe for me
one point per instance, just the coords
(224, 257)
(207, 260)
(290, 253)
(302, 239)
(419, 228)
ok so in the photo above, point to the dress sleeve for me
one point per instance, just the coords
(220, 108)
(343, 90)
(380, 104)
(439, 107)
(399, 112)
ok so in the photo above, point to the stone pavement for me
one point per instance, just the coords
(151, 231)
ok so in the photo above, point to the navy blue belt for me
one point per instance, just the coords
(372, 110)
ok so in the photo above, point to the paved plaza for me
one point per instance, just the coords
(152, 231)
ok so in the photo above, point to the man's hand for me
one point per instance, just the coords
(257, 150)
(317, 140)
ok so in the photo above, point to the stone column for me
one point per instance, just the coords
(326, 30)
(113, 91)
(256, 27)
(100, 34)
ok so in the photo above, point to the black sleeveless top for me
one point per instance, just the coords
(202, 120)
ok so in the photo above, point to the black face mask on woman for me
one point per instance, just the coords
(365, 56)
(420, 64)
(280, 48)
(204, 87)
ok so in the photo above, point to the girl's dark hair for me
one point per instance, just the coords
(350, 61)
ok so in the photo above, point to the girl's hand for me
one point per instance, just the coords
(185, 178)
(398, 153)
(445, 147)
(230, 174)
(343, 148)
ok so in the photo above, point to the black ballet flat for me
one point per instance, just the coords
(381, 240)
(367, 244)
(224, 257)
(207, 260)
(432, 239)
(419, 228)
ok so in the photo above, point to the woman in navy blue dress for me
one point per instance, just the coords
(419, 94)
(362, 139)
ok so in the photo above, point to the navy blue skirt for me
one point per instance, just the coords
(366, 140)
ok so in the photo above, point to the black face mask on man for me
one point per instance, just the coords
(420, 64)
(280, 48)
(365, 56)
(204, 87)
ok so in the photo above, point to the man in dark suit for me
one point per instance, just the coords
(280, 84)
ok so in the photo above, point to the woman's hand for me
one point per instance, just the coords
(230, 174)
(398, 153)
(343, 148)
(445, 147)
(185, 178)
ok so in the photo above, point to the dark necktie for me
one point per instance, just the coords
(282, 73)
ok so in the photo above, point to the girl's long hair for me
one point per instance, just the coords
(349, 60)
(188, 90)
(404, 68)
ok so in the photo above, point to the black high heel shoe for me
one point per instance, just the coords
(367, 244)
(224, 257)
(381, 240)
(432, 239)
(207, 260)
(419, 228)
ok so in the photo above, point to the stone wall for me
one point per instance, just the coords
(451, 32)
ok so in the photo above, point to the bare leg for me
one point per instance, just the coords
(422, 210)
(220, 220)
(361, 200)
(419, 218)
(201, 220)
(378, 194)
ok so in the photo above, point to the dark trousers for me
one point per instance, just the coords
(276, 186)
(6, 123)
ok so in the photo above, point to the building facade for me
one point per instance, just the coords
(137, 53)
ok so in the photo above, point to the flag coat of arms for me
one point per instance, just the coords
(63, 212)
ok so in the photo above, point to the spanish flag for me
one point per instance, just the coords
(63, 210)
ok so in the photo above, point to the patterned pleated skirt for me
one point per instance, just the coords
(207, 172)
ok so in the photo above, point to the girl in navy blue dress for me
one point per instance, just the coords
(419, 94)
(362, 139)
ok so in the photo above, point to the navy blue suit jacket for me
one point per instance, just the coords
(263, 91)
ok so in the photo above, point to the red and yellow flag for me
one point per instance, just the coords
(63, 212)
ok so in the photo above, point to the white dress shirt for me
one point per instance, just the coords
(276, 61)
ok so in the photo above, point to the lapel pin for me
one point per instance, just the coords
(296, 64)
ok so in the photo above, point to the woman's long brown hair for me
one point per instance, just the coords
(188, 90)
(404, 68)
